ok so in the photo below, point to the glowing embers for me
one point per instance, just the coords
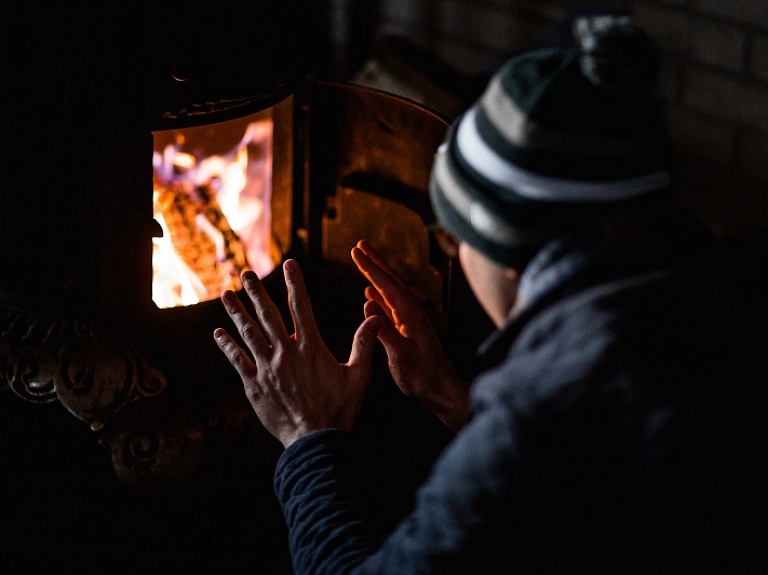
(212, 188)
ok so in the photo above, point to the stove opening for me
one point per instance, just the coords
(221, 198)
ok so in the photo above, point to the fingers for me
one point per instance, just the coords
(266, 311)
(388, 334)
(270, 330)
(364, 344)
(235, 354)
(372, 295)
(367, 250)
(389, 291)
(381, 277)
(301, 306)
(251, 332)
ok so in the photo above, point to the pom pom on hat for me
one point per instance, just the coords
(614, 53)
(558, 135)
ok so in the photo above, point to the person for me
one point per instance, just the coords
(572, 445)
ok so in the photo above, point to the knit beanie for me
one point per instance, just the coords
(559, 136)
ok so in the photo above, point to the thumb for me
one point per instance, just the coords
(364, 344)
(388, 333)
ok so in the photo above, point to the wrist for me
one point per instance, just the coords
(452, 407)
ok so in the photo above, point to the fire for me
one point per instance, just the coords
(214, 213)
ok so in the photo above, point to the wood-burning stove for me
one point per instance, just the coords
(162, 438)
(345, 163)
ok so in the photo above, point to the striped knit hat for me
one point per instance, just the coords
(559, 137)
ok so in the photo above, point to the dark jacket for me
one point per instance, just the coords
(584, 449)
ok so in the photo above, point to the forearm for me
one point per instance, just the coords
(324, 536)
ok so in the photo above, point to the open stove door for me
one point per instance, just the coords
(164, 449)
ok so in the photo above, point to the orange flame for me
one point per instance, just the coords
(214, 213)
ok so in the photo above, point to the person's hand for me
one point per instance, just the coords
(293, 382)
(417, 359)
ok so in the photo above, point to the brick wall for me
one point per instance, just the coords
(715, 76)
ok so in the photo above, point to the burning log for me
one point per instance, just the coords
(201, 235)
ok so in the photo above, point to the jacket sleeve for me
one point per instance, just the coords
(456, 514)
(325, 535)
